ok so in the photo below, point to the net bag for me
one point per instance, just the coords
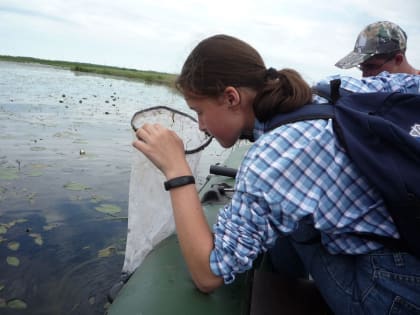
(150, 218)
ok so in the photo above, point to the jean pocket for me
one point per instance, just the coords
(399, 267)
(400, 306)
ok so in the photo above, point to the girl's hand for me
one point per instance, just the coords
(163, 148)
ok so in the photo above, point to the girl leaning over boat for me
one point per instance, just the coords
(297, 193)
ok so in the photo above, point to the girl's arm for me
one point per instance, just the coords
(165, 149)
(195, 236)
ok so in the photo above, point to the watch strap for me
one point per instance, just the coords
(178, 182)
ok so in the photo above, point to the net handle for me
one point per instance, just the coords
(192, 151)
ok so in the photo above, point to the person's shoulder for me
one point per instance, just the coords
(397, 76)
(348, 83)
(383, 82)
(404, 82)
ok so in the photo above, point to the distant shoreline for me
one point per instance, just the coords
(151, 77)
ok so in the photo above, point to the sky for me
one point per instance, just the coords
(306, 35)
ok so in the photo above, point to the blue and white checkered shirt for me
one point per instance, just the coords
(298, 171)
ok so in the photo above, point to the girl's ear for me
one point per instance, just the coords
(232, 96)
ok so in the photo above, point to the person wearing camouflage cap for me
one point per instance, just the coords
(379, 47)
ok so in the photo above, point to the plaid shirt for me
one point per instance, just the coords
(300, 171)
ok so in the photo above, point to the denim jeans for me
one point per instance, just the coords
(381, 282)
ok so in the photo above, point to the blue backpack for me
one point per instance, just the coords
(381, 134)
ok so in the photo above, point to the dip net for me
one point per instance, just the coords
(150, 218)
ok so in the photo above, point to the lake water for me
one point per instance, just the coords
(65, 159)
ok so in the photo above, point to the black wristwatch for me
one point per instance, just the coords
(178, 182)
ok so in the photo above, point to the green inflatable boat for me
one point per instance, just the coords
(162, 284)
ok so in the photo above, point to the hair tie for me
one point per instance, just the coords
(271, 74)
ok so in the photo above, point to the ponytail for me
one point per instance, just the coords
(284, 91)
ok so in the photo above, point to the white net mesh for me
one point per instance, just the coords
(150, 218)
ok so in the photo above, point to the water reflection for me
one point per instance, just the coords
(65, 160)
(64, 273)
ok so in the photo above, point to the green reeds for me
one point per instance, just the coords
(151, 77)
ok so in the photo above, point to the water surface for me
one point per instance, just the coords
(65, 158)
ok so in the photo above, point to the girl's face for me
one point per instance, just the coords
(225, 117)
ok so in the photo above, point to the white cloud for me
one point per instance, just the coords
(158, 34)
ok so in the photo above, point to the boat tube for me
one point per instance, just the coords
(162, 284)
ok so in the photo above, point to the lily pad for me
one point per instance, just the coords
(64, 134)
(97, 198)
(76, 198)
(13, 245)
(11, 224)
(13, 261)
(75, 186)
(35, 173)
(50, 227)
(37, 238)
(108, 208)
(3, 229)
(39, 166)
(107, 251)
(5, 226)
(80, 141)
(37, 169)
(38, 148)
(17, 304)
(9, 173)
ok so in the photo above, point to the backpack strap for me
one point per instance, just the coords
(307, 112)
(331, 91)
(335, 90)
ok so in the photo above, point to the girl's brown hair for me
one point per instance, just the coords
(221, 61)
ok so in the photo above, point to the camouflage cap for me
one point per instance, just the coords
(377, 38)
